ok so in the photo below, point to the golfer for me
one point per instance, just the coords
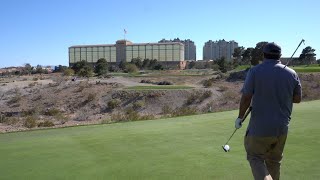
(271, 88)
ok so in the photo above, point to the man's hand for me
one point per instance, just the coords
(238, 123)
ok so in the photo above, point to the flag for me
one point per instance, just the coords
(124, 30)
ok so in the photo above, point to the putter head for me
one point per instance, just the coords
(226, 148)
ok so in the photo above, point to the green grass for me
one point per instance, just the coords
(306, 69)
(160, 87)
(176, 148)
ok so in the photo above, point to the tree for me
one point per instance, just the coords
(102, 67)
(191, 64)
(60, 68)
(307, 55)
(82, 68)
(153, 63)
(257, 53)
(237, 54)
(39, 69)
(146, 63)
(138, 62)
(222, 64)
(27, 69)
(246, 55)
(122, 65)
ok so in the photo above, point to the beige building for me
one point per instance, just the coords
(189, 48)
(213, 50)
(168, 53)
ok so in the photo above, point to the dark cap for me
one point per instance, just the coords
(272, 48)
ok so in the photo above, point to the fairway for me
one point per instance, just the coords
(186, 147)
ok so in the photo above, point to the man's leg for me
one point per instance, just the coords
(256, 148)
(274, 156)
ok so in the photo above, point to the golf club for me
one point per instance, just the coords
(226, 147)
(302, 41)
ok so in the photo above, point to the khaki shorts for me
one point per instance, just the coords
(264, 155)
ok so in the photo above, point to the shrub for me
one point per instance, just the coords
(30, 122)
(164, 83)
(118, 117)
(3, 118)
(46, 124)
(52, 112)
(166, 109)
(207, 83)
(15, 99)
(11, 121)
(82, 116)
(131, 68)
(29, 112)
(137, 105)
(91, 97)
(132, 115)
(192, 99)
(205, 95)
(113, 103)
(184, 111)
(68, 72)
(60, 117)
(35, 79)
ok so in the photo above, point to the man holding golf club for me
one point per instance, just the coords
(271, 88)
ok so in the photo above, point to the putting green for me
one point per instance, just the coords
(176, 148)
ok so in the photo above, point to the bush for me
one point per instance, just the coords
(137, 105)
(207, 83)
(35, 79)
(91, 97)
(131, 68)
(11, 121)
(132, 115)
(113, 103)
(184, 111)
(164, 83)
(68, 72)
(52, 112)
(46, 124)
(205, 95)
(192, 99)
(166, 109)
(30, 122)
(118, 117)
(63, 119)
(3, 118)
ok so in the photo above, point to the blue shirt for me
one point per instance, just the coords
(273, 86)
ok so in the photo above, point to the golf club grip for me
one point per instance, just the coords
(247, 113)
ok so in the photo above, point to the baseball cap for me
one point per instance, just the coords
(272, 48)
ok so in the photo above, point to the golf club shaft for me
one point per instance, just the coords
(245, 116)
(302, 41)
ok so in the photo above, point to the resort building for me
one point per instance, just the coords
(213, 50)
(167, 53)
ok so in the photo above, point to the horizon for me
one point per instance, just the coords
(40, 33)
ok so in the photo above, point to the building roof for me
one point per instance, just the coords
(95, 45)
(133, 44)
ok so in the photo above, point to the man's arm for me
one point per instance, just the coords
(244, 104)
(296, 98)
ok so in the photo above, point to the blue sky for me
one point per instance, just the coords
(40, 32)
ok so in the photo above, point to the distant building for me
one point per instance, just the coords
(189, 48)
(167, 53)
(213, 50)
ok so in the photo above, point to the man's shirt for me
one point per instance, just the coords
(273, 86)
